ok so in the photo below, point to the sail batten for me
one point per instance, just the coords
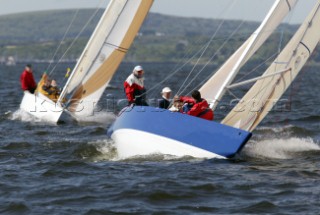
(215, 87)
(263, 95)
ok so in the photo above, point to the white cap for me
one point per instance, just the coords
(166, 90)
(137, 68)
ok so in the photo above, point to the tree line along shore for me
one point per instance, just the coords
(35, 36)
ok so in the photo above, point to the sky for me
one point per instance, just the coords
(227, 9)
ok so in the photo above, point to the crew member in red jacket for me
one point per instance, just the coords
(134, 87)
(27, 80)
(199, 106)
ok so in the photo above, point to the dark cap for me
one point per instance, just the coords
(29, 65)
(196, 95)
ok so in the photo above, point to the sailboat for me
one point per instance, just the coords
(98, 62)
(149, 130)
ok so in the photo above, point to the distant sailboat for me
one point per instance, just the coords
(100, 59)
(148, 130)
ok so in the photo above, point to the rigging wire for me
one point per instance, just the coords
(232, 94)
(263, 90)
(282, 32)
(208, 43)
(179, 65)
(78, 35)
(202, 69)
(279, 49)
(204, 50)
(178, 69)
(174, 72)
(62, 40)
(255, 69)
(264, 62)
(189, 60)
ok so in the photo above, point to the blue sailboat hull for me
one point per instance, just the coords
(140, 130)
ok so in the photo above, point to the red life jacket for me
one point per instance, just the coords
(131, 85)
(202, 110)
(199, 109)
(27, 81)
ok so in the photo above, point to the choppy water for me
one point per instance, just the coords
(72, 168)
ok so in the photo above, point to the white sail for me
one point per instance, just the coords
(262, 96)
(103, 53)
(215, 87)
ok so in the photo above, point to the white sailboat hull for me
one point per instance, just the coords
(131, 143)
(41, 107)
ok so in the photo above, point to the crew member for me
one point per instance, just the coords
(48, 88)
(27, 80)
(200, 107)
(165, 101)
(134, 87)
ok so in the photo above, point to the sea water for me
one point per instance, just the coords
(73, 168)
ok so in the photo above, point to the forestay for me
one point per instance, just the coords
(101, 57)
(262, 96)
(215, 87)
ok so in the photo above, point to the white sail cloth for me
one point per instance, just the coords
(263, 95)
(103, 54)
(215, 87)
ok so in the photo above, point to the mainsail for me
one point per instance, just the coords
(105, 50)
(262, 96)
(215, 87)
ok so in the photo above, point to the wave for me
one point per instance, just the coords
(104, 118)
(22, 116)
(275, 148)
(160, 158)
(285, 131)
(98, 150)
(275, 129)
(311, 118)
(106, 150)
(286, 148)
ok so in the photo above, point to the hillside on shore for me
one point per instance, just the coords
(29, 37)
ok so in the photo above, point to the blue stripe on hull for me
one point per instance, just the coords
(208, 135)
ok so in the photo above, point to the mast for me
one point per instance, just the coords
(215, 87)
(263, 95)
(103, 54)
